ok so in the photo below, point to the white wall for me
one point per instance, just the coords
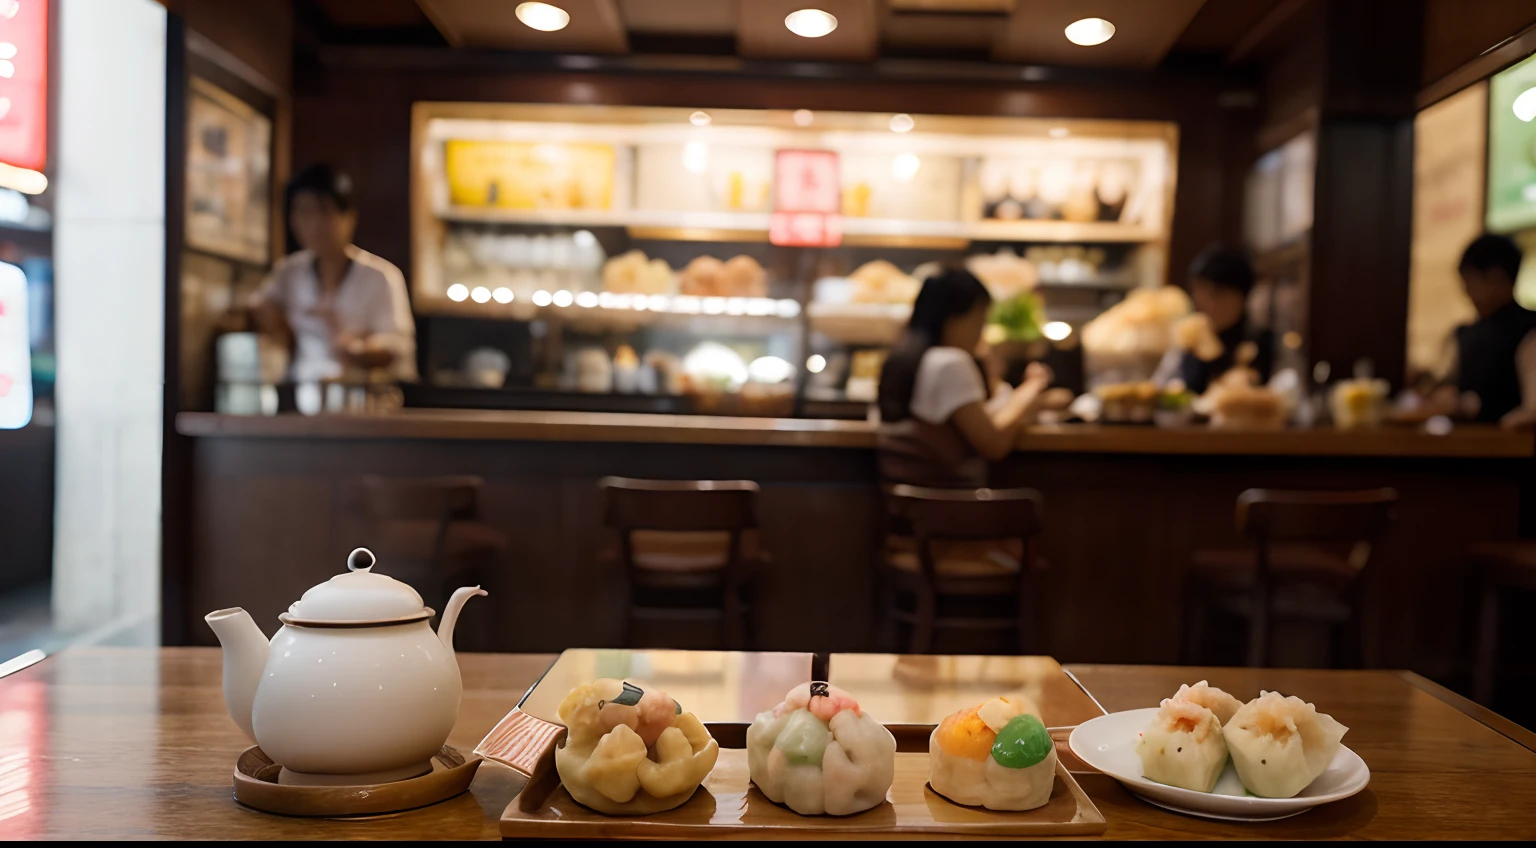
(109, 238)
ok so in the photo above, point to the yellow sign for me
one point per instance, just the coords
(521, 175)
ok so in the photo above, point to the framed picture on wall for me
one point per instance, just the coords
(229, 175)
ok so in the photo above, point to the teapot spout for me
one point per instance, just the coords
(451, 614)
(245, 655)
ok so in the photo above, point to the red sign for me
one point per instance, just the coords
(807, 198)
(24, 83)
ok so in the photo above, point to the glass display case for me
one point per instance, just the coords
(642, 259)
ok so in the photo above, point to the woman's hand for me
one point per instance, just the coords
(1037, 375)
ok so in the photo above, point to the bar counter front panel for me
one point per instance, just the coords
(275, 510)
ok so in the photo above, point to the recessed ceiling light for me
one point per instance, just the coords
(1059, 132)
(804, 117)
(810, 23)
(902, 123)
(1525, 105)
(699, 119)
(543, 17)
(1090, 31)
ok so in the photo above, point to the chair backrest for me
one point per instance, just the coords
(969, 513)
(1344, 517)
(684, 506)
(421, 498)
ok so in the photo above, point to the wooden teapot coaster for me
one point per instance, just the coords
(256, 786)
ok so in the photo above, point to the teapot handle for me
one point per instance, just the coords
(361, 559)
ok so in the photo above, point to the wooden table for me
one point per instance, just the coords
(135, 744)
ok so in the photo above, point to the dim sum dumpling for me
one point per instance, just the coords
(1280, 744)
(817, 752)
(1183, 747)
(630, 751)
(1213, 699)
(997, 755)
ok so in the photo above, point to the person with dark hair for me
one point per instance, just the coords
(1488, 350)
(1220, 280)
(340, 307)
(939, 422)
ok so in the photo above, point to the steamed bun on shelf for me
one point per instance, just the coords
(879, 281)
(1143, 323)
(997, 755)
(818, 753)
(707, 276)
(630, 751)
(1005, 274)
(1280, 744)
(1183, 746)
(632, 273)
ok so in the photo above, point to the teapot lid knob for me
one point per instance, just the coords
(361, 559)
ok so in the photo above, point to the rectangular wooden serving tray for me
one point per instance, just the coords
(728, 806)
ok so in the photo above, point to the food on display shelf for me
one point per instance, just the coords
(626, 370)
(1281, 744)
(1005, 274)
(998, 755)
(1195, 334)
(1236, 400)
(713, 367)
(707, 276)
(668, 370)
(1358, 403)
(633, 273)
(1127, 403)
(863, 383)
(818, 753)
(593, 370)
(879, 281)
(630, 751)
(1127, 341)
(1183, 746)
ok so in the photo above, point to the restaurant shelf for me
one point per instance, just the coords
(753, 226)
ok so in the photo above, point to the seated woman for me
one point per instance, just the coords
(940, 425)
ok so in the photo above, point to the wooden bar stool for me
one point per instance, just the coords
(689, 548)
(1497, 567)
(1310, 550)
(426, 532)
(966, 545)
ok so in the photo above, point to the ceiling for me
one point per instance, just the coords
(1148, 32)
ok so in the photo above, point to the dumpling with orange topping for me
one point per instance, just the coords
(997, 755)
(1183, 746)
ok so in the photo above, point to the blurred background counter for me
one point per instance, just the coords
(274, 508)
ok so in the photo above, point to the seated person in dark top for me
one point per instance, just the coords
(1220, 280)
(1488, 350)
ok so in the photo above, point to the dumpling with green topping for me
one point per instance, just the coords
(996, 755)
(818, 753)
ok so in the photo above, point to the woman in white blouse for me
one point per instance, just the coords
(345, 310)
(940, 423)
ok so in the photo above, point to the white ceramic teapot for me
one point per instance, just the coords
(355, 688)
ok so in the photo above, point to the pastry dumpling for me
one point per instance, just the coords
(998, 755)
(1183, 747)
(1280, 744)
(1213, 699)
(817, 752)
(630, 751)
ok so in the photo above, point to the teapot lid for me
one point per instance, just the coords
(359, 596)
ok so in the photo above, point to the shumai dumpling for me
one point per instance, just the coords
(630, 751)
(1223, 705)
(1280, 744)
(996, 755)
(817, 752)
(1183, 747)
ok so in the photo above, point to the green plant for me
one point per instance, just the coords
(1021, 317)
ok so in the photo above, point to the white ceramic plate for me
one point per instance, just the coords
(1108, 743)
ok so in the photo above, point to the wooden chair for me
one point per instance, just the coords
(689, 549)
(965, 544)
(426, 532)
(1497, 567)
(1309, 553)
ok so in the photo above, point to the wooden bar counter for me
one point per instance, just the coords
(120, 743)
(273, 511)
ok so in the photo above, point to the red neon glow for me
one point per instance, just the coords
(806, 199)
(24, 83)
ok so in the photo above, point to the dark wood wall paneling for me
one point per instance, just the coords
(352, 107)
(26, 505)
